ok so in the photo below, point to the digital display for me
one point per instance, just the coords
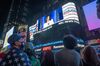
(62, 21)
(90, 11)
(50, 19)
(47, 48)
(33, 29)
(69, 11)
(66, 12)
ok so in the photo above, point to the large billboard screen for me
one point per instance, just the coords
(66, 12)
(52, 18)
(64, 21)
(70, 11)
(32, 29)
(90, 11)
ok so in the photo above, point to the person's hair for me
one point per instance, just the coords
(22, 30)
(89, 55)
(69, 41)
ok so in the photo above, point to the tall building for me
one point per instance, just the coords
(18, 14)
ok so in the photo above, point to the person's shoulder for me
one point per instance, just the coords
(60, 52)
(77, 53)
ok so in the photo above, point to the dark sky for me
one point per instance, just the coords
(36, 6)
(4, 9)
(5, 5)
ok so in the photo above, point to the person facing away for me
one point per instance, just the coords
(15, 56)
(68, 56)
(89, 57)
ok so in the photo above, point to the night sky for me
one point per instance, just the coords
(35, 5)
(4, 9)
(5, 5)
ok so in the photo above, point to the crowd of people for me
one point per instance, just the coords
(21, 54)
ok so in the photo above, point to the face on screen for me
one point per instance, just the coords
(48, 19)
(48, 22)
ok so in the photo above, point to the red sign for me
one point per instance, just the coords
(47, 48)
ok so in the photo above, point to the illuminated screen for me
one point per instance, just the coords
(33, 29)
(67, 12)
(64, 20)
(8, 34)
(70, 11)
(90, 11)
(51, 19)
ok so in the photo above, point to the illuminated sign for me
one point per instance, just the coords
(37, 50)
(69, 11)
(31, 36)
(90, 11)
(94, 41)
(57, 47)
(79, 45)
(47, 48)
(33, 30)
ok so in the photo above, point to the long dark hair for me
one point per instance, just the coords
(89, 56)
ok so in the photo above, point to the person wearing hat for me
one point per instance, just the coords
(15, 56)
